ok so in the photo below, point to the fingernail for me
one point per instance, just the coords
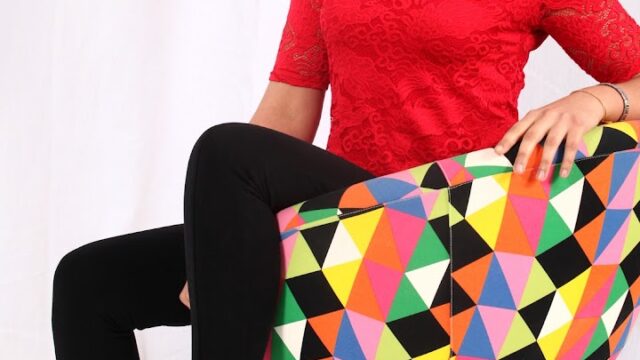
(564, 173)
(540, 174)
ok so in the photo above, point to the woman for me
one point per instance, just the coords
(412, 81)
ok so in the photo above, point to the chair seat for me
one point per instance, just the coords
(462, 258)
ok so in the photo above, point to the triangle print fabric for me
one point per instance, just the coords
(463, 259)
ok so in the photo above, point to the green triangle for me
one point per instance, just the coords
(518, 337)
(554, 230)
(619, 287)
(407, 301)
(429, 250)
(560, 184)
(460, 159)
(302, 260)
(288, 310)
(598, 338)
(538, 285)
(278, 349)
(314, 215)
(488, 170)
(389, 347)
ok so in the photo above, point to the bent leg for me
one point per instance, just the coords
(105, 289)
(239, 176)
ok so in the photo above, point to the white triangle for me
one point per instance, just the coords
(292, 335)
(426, 280)
(558, 315)
(484, 191)
(610, 317)
(486, 157)
(342, 248)
(567, 203)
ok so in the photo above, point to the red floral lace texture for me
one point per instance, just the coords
(415, 81)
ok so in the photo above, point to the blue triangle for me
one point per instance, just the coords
(622, 163)
(623, 338)
(347, 346)
(412, 206)
(495, 291)
(613, 219)
(384, 189)
(476, 340)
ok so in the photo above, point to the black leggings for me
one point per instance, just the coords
(239, 175)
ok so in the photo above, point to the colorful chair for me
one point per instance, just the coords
(461, 258)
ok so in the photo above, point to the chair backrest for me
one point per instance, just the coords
(462, 257)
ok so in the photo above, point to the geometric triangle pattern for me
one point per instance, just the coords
(462, 258)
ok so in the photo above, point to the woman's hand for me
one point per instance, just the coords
(184, 295)
(567, 118)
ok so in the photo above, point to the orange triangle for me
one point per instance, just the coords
(327, 327)
(382, 248)
(357, 196)
(635, 290)
(362, 298)
(600, 179)
(589, 236)
(461, 323)
(461, 176)
(526, 184)
(442, 313)
(614, 339)
(599, 276)
(512, 238)
(297, 220)
(579, 328)
(471, 277)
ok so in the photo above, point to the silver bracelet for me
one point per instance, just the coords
(625, 99)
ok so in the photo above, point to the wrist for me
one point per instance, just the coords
(610, 99)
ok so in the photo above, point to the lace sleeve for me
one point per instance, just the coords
(302, 56)
(599, 35)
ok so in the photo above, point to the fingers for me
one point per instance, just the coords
(184, 295)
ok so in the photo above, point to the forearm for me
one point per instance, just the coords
(613, 102)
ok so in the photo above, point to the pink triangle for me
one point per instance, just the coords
(613, 252)
(287, 246)
(406, 230)
(285, 216)
(450, 168)
(428, 200)
(368, 332)
(531, 213)
(385, 283)
(624, 197)
(516, 269)
(403, 175)
(580, 346)
(497, 321)
(595, 307)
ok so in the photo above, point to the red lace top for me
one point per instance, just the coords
(414, 81)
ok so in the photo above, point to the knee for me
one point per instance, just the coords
(224, 144)
(72, 276)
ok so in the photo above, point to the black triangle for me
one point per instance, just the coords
(627, 308)
(329, 200)
(460, 301)
(512, 153)
(434, 178)
(443, 294)
(319, 239)
(586, 165)
(468, 245)
(590, 206)
(460, 197)
(534, 314)
(631, 265)
(601, 353)
(529, 352)
(613, 140)
(440, 226)
(636, 210)
(312, 346)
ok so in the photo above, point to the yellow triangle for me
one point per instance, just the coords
(503, 180)
(572, 291)
(389, 347)
(341, 277)
(592, 139)
(633, 234)
(454, 216)
(538, 285)
(362, 227)
(302, 260)
(550, 344)
(418, 172)
(518, 337)
(438, 354)
(487, 221)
